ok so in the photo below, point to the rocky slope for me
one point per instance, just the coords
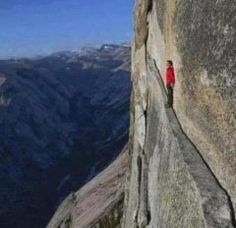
(183, 171)
(97, 204)
(63, 118)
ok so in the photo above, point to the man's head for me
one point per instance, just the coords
(169, 63)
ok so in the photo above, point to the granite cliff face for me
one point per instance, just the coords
(182, 170)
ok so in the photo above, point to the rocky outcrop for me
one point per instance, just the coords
(97, 204)
(183, 160)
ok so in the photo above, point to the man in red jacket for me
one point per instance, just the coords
(170, 82)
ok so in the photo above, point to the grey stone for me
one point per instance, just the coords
(183, 170)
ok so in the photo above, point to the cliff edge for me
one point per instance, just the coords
(182, 170)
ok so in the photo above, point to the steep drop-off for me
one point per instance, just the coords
(182, 170)
(63, 118)
(97, 204)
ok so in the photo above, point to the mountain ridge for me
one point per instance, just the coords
(50, 110)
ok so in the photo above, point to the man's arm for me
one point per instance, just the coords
(172, 78)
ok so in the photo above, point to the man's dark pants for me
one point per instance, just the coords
(170, 95)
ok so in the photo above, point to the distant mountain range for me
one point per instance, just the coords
(63, 118)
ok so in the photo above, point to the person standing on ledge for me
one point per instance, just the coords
(170, 83)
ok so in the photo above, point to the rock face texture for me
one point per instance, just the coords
(63, 118)
(99, 203)
(183, 169)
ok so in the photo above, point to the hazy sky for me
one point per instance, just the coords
(36, 27)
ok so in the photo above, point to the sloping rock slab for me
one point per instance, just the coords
(98, 202)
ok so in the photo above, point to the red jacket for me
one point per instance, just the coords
(170, 76)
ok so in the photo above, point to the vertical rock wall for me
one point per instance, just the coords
(183, 169)
(200, 37)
